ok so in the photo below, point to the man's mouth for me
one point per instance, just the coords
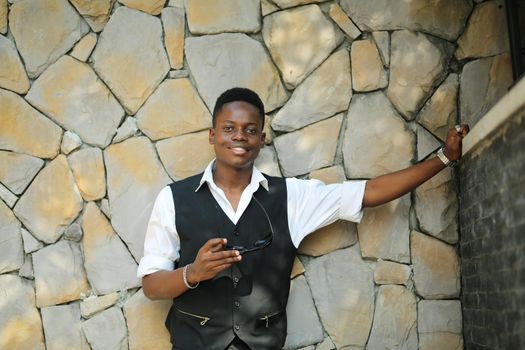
(239, 150)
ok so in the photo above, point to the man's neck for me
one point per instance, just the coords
(232, 179)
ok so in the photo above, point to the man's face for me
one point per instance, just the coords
(237, 135)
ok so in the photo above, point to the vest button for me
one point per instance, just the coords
(237, 327)
(236, 232)
(236, 279)
(237, 304)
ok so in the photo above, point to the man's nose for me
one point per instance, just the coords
(239, 134)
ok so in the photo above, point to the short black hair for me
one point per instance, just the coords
(238, 94)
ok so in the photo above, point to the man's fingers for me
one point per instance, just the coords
(214, 244)
(223, 255)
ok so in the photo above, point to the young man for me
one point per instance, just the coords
(234, 231)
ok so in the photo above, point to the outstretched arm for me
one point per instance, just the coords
(385, 188)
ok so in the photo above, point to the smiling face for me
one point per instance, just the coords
(237, 135)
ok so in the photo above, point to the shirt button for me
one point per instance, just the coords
(237, 304)
(237, 327)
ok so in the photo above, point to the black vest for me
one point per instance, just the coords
(249, 299)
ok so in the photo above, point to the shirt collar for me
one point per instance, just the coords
(257, 177)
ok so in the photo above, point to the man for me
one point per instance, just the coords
(234, 231)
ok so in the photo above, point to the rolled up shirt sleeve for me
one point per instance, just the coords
(161, 244)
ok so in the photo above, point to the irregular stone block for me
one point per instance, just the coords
(12, 72)
(126, 130)
(88, 168)
(327, 344)
(11, 246)
(395, 320)
(310, 148)
(439, 114)
(145, 321)
(267, 163)
(174, 24)
(128, 33)
(51, 203)
(153, 7)
(185, 155)
(26, 130)
(343, 289)
(439, 341)
(79, 101)
(426, 143)
(94, 304)
(310, 38)
(436, 267)
(375, 126)
(62, 327)
(109, 265)
(445, 19)
(483, 83)
(486, 33)
(95, 12)
(134, 178)
(104, 207)
(304, 327)
(56, 27)
(384, 232)
(70, 142)
(209, 56)
(297, 268)
(20, 321)
(107, 330)
(440, 324)
(3, 16)
(267, 129)
(382, 40)
(175, 108)
(340, 234)
(409, 88)
(389, 272)
(437, 206)
(325, 92)
(59, 274)
(180, 73)
(6, 195)
(17, 170)
(26, 270)
(31, 244)
(367, 68)
(84, 47)
(74, 232)
(292, 3)
(268, 7)
(341, 19)
(212, 17)
(330, 175)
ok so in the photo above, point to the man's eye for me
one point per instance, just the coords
(251, 131)
(228, 128)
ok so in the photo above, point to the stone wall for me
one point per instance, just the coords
(103, 103)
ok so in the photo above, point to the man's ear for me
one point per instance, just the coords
(211, 136)
(263, 139)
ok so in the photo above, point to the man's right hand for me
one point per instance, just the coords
(211, 259)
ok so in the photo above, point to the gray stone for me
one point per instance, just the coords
(177, 74)
(7, 196)
(426, 143)
(95, 12)
(297, 268)
(128, 129)
(209, 56)
(56, 27)
(310, 38)
(176, 3)
(341, 19)
(343, 289)
(185, 155)
(3, 16)
(131, 195)
(62, 327)
(145, 321)
(11, 246)
(440, 324)
(74, 232)
(486, 33)
(436, 267)
(371, 117)
(330, 175)
(409, 87)
(325, 92)
(205, 17)
(17, 170)
(84, 47)
(26, 130)
(59, 274)
(327, 344)
(340, 234)
(389, 272)
(31, 244)
(87, 166)
(382, 40)
(175, 108)
(51, 202)
(12, 72)
(292, 3)
(436, 206)
(483, 83)
(267, 163)
(439, 341)
(367, 68)
(20, 321)
(104, 207)
(127, 33)
(267, 7)
(384, 232)
(304, 327)
(70, 142)
(395, 320)
(152, 7)
(174, 24)
(439, 114)
(106, 330)
(26, 270)
(94, 304)
(73, 96)
(310, 148)
(109, 265)
(445, 19)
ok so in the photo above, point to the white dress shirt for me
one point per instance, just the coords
(311, 205)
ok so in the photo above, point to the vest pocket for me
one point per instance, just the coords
(270, 317)
(203, 319)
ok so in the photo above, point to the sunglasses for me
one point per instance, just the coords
(259, 244)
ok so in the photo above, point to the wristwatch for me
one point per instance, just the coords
(441, 155)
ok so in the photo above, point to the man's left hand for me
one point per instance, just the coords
(453, 144)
